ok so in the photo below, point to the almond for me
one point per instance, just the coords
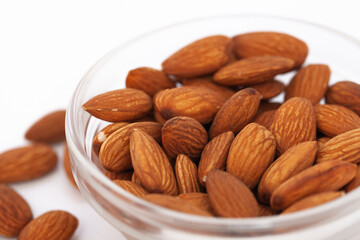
(290, 163)
(344, 147)
(229, 197)
(183, 135)
(321, 141)
(269, 89)
(151, 165)
(345, 93)
(198, 103)
(186, 175)
(48, 129)
(54, 225)
(200, 200)
(265, 118)
(353, 184)
(270, 43)
(15, 212)
(126, 175)
(310, 82)
(328, 176)
(159, 118)
(176, 204)
(131, 187)
(26, 163)
(115, 153)
(334, 119)
(135, 179)
(67, 165)
(251, 152)
(148, 80)
(214, 155)
(313, 201)
(223, 91)
(236, 112)
(199, 58)
(101, 136)
(119, 105)
(253, 70)
(294, 123)
(266, 211)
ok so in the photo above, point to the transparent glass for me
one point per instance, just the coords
(138, 219)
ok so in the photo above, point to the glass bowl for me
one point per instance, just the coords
(138, 219)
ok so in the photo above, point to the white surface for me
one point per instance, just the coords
(46, 46)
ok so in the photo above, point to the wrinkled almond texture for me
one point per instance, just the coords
(186, 175)
(355, 182)
(335, 119)
(313, 201)
(270, 43)
(310, 82)
(183, 135)
(151, 165)
(294, 122)
(115, 153)
(15, 212)
(253, 70)
(321, 141)
(198, 103)
(251, 152)
(236, 112)
(328, 176)
(290, 163)
(200, 200)
(26, 163)
(148, 80)
(54, 225)
(345, 93)
(199, 58)
(229, 197)
(269, 89)
(119, 105)
(214, 155)
(131, 187)
(344, 147)
(48, 129)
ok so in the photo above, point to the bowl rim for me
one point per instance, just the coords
(288, 220)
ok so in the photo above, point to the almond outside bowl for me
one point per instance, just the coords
(138, 219)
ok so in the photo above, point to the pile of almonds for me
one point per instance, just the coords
(201, 136)
(27, 163)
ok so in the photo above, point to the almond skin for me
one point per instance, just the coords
(151, 165)
(345, 93)
(290, 163)
(310, 82)
(253, 70)
(48, 129)
(186, 175)
(115, 153)
(328, 176)
(135, 179)
(265, 118)
(214, 155)
(270, 43)
(101, 136)
(294, 122)
(344, 147)
(26, 163)
(321, 141)
(229, 197)
(148, 80)
(54, 225)
(200, 200)
(269, 89)
(334, 119)
(223, 91)
(67, 165)
(131, 187)
(266, 211)
(198, 103)
(236, 112)
(355, 182)
(15, 212)
(119, 105)
(127, 175)
(199, 58)
(251, 152)
(313, 201)
(183, 135)
(176, 204)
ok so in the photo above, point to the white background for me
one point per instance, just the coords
(46, 47)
